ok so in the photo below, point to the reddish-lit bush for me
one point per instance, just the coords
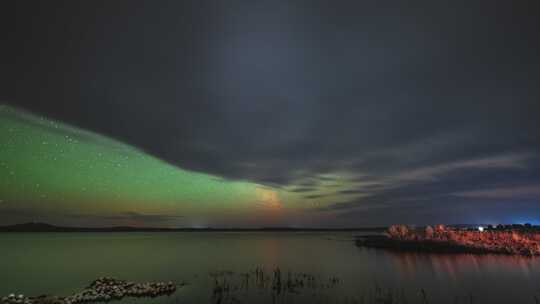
(400, 232)
(507, 241)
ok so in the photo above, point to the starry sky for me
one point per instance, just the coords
(269, 113)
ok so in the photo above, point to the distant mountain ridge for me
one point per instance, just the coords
(43, 227)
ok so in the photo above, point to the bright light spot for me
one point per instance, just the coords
(480, 228)
(268, 198)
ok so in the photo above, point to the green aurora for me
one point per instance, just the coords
(49, 168)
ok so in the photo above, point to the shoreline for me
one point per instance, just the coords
(427, 246)
(44, 228)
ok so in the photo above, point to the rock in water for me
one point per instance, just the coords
(101, 290)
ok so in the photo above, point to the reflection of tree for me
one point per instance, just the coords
(457, 265)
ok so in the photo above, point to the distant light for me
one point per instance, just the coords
(480, 228)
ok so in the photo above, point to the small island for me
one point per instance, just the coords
(501, 239)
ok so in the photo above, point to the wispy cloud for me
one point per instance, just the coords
(516, 192)
(442, 182)
(304, 189)
(508, 161)
(315, 196)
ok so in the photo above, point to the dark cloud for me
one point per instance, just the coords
(531, 192)
(327, 178)
(315, 196)
(352, 191)
(448, 210)
(304, 189)
(279, 92)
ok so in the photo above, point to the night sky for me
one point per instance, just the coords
(269, 113)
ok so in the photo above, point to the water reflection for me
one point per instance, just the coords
(37, 264)
(455, 266)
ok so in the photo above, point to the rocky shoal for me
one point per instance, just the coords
(101, 290)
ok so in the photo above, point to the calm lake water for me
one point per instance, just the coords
(64, 263)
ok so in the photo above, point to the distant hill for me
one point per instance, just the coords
(30, 227)
(43, 227)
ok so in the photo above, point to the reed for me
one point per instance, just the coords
(277, 286)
